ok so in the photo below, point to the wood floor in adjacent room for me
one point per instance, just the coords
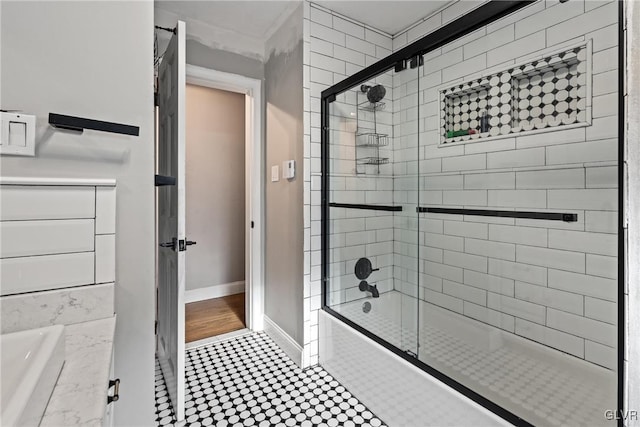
(206, 319)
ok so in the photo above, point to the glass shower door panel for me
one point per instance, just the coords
(361, 209)
(514, 218)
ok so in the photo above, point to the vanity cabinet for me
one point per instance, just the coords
(58, 267)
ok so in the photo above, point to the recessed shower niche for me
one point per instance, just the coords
(533, 96)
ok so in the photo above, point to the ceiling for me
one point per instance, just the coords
(257, 19)
(260, 18)
(390, 16)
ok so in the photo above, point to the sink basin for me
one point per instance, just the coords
(30, 362)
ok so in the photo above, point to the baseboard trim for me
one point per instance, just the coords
(284, 340)
(216, 291)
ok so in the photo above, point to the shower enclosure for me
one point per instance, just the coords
(470, 218)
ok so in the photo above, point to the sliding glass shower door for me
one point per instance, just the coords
(470, 214)
(372, 271)
(518, 231)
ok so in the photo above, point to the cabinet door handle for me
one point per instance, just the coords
(116, 390)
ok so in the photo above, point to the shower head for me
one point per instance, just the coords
(376, 93)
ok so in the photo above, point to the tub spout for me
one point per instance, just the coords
(374, 291)
(366, 287)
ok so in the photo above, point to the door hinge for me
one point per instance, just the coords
(155, 328)
(252, 224)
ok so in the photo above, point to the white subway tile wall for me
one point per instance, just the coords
(547, 281)
(335, 47)
(556, 280)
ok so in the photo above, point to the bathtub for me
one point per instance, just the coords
(500, 366)
(30, 362)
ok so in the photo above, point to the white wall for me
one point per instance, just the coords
(358, 233)
(283, 199)
(215, 186)
(95, 60)
(212, 47)
(334, 48)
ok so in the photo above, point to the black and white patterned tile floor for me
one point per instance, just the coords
(249, 381)
(164, 411)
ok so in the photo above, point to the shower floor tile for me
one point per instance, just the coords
(248, 380)
(551, 390)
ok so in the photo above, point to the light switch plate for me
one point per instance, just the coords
(275, 173)
(17, 134)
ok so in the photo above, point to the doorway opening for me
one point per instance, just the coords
(177, 239)
(215, 212)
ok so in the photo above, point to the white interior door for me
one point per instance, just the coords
(171, 218)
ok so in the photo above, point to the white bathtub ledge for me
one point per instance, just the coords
(80, 395)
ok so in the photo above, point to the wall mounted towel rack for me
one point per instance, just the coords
(549, 216)
(79, 124)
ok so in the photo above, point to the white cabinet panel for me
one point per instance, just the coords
(28, 238)
(29, 274)
(105, 210)
(105, 258)
(46, 202)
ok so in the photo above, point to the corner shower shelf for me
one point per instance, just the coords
(373, 161)
(372, 106)
(372, 139)
(368, 141)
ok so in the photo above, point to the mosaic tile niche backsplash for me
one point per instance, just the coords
(534, 96)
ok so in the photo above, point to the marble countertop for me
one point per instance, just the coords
(80, 395)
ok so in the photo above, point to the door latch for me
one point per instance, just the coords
(172, 244)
